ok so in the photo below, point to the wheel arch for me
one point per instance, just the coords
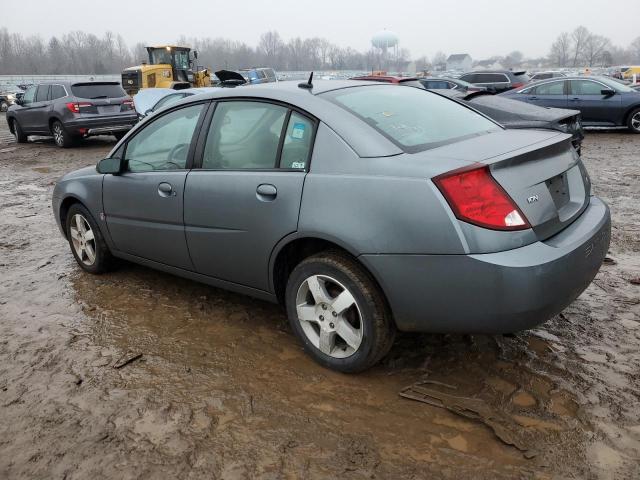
(52, 119)
(294, 248)
(63, 210)
(628, 112)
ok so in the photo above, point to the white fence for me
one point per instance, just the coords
(9, 82)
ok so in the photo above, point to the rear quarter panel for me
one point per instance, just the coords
(369, 210)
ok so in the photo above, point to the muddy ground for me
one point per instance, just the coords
(224, 390)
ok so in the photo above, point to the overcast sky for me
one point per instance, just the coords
(479, 27)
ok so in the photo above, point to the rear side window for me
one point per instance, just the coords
(244, 135)
(552, 88)
(43, 93)
(297, 142)
(412, 118)
(57, 91)
(491, 78)
(98, 90)
(471, 78)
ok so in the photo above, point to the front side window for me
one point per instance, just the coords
(244, 135)
(43, 93)
(182, 59)
(586, 87)
(29, 95)
(553, 88)
(164, 143)
(412, 118)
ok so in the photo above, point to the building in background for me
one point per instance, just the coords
(460, 61)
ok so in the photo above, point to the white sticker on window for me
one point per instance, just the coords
(297, 165)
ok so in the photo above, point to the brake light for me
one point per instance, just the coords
(74, 107)
(128, 102)
(475, 197)
(517, 85)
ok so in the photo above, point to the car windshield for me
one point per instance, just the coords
(412, 118)
(98, 90)
(619, 87)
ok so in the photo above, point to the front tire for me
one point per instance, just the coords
(338, 313)
(60, 135)
(4, 106)
(634, 121)
(21, 137)
(86, 241)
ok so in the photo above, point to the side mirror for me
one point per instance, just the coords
(607, 92)
(148, 112)
(112, 166)
(195, 54)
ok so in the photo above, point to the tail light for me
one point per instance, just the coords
(128, 104)
(74, 107)
(475, 197)
(517, 85)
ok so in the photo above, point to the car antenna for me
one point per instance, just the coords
(309, 84)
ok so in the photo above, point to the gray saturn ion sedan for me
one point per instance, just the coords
(362, 208)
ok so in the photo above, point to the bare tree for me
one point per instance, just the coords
(580, 37)
(594, 48)
(561, 50)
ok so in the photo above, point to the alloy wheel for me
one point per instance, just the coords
(83, 239)
(58, 134)
(329, 316)
(635, 121)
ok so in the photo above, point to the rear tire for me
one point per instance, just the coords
(634, 121)
(86, 241)
(60, 135)
(350, 339)
(4, 106)
(21, 137)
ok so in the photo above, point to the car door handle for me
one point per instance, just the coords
(166, 190)
(574, 99)
(266, 192)
(533, 98)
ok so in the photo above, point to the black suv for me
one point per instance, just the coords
(496, 80)
(69, 111)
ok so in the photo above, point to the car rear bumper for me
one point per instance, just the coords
(497, 292)
(102, 125)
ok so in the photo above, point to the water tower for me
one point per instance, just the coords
(386, 43)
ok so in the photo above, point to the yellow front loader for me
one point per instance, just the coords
(169, 66)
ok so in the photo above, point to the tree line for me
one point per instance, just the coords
(582, 48)
(80, 52)
(85, 53)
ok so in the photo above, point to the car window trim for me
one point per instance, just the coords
(196, 135)
(199, 154)
(527, 90)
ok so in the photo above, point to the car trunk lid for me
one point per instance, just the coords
(548, 183)
(539, 169)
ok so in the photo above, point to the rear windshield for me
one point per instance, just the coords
(412, 118)
(98, 90)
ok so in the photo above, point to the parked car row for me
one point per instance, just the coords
(602, 101)
(363, 208)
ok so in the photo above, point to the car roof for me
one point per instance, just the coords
(360, 136)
